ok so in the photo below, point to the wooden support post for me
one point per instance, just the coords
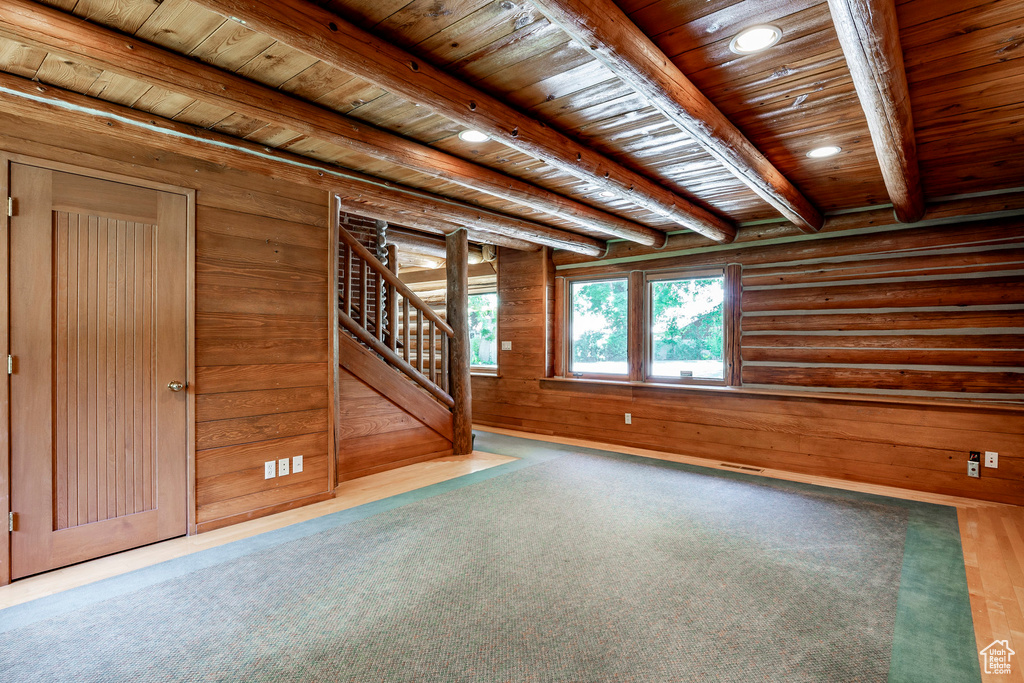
(457, 270)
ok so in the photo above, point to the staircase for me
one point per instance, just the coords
(385, 316)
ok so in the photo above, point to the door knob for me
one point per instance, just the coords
(175, 385)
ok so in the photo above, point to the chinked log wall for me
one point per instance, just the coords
(261, 299)
(933, 311)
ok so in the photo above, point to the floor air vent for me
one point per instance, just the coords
(740, 467)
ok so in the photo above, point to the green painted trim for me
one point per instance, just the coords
(790, 240)
(933, 637)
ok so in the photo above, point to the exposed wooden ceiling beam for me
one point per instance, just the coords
(423, 219)
(40, 26)
(32, 100)
(409, 241)
(416, 208)
(870, 37)
(321, 34)
(607, 33)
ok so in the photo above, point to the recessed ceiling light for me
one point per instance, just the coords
(822, 152)
(755, 39)
(606, 193)
(474, 136)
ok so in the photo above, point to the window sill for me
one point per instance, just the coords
(484, 372)
(796, 394)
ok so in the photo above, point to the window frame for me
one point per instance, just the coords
(567, 326)
(653, 276)
(639, 324)
(489, 369)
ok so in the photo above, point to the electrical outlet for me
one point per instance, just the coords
(297, 464)
(629, 418)
(972, 470)
(991, 459)
(506, 346)
(282, 467)
(269, 469)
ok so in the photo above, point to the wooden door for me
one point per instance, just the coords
(98, 329)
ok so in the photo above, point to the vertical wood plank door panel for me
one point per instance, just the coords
(98, 330)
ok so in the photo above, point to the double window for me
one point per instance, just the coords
(648, 326)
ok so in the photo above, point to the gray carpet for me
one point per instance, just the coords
(574, 567)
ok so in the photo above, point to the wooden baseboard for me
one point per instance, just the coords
(262, 512)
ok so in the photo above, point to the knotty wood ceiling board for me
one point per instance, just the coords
(963, 63)
(965, 68)
(789, 99)
(231, 46)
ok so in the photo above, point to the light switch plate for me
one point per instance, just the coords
(972, 470)
(506, 346)
(282, 467)
(991, 459)
(297, 464)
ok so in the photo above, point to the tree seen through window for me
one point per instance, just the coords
(483, 330)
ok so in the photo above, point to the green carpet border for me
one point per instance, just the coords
(933, 606)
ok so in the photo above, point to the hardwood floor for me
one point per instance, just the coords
(992, 535)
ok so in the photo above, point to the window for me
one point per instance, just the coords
(483, 331)
(599, 312)
(656, 326)
(686, 327)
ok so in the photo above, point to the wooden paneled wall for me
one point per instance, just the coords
(262, 291)
(526, 296)
(376, 434)
(940, 300)
(262, 265)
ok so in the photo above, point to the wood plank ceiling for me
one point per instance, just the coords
(963, 65)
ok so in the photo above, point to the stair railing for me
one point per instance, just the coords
(379, 329)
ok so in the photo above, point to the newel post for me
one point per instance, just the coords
(457, 271)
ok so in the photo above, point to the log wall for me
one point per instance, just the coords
(918, 332)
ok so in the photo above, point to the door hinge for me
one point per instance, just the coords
(10, 521)
(10, 364)
(10, 206)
